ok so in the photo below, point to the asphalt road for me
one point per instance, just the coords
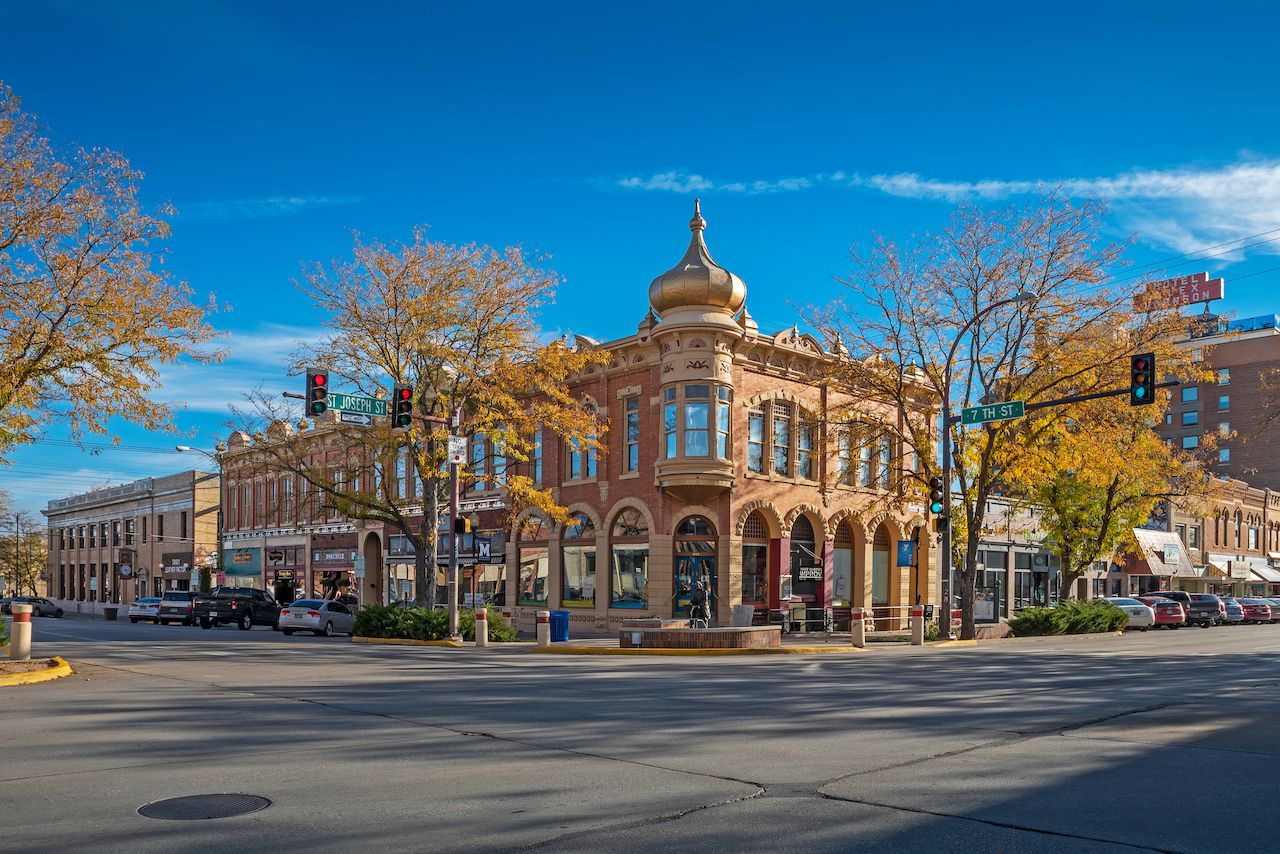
(1163, 741)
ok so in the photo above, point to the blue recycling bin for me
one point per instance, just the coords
(559, 626)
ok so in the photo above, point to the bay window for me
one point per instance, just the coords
(695, 421)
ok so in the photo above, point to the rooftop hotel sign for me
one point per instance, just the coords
(1175, 293)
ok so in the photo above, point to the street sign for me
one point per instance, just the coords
(993, 412)
(457, 450)
(357, 403)
(355, 418)
(484, 549)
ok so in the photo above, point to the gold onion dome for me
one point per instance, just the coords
(697, 281)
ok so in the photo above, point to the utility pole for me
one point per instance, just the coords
(452, 586)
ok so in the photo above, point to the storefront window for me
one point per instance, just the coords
(755, 561)
(842, 571)
(806, 563)
(629, 584)
(578, 563)
(534, 562)
(880, 567)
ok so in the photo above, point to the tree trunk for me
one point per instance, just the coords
(968, 626)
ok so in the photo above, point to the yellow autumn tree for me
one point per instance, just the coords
(460, 325)
(1001, 305)
(88, 316)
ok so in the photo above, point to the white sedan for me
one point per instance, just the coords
(1141, 617)
(145, 609)
(318, 616)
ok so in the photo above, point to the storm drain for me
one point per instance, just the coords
(195, 807)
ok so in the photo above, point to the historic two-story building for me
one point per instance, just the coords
(728, 461)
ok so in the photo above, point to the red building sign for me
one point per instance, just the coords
(1175, 293)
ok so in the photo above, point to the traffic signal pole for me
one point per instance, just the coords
(452, 585)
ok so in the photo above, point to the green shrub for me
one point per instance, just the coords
(1081, 618)
(1069, 618)
(394, 621)
(1033, 622)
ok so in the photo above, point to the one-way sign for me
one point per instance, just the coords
(356, 418)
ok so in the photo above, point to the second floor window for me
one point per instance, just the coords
(1224, 376)
(631, 413)
(537, 455)
(781, 434)
(844, 458)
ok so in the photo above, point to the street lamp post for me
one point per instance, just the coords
(944, 618)
(219, 449)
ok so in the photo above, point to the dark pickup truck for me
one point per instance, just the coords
(1203, 609)
(243, 606)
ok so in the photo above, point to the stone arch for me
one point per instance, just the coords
(882, 518)
(579, 507)
(622, 504)
(842, 515)
(528, 512)
(773, 520)
(697, 510)
(820, 524)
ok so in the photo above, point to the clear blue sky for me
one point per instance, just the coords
(585, 130)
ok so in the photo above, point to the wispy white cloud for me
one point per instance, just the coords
(266, 207)
(1181, 208)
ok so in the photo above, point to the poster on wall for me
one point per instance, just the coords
(906, 553)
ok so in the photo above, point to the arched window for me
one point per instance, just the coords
(880, 566)
(1239, 519)
(578, 563)
(532, 554)
(842, 572)
(695, 562)
(629, 583)
(755, 560)
(806, 562)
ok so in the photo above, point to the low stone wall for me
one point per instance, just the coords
(655, 623)
(747, 637)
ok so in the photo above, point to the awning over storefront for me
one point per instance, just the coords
(1160, 553)
(1264, 573)
(1235, 567)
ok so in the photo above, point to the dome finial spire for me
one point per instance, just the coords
(697, 223)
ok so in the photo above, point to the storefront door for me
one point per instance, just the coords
(690, 569)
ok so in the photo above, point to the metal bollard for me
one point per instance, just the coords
(917, 626)
(20, 632)
(544, 628)
(857, 628)
(482, 627)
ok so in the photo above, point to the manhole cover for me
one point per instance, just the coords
(193, 807)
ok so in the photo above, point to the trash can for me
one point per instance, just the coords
(109, 613)
(559, 626)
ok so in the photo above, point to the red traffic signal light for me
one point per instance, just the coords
(317, 392)
(401, 405)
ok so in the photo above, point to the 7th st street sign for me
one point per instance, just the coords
(992, 412)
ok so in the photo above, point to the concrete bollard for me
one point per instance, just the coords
(544, 628)
(482, 627)
(20, 632)
(917, 626)
(857, 628)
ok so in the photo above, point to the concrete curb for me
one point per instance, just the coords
(950, 643)
(409, 642)
(57, 668)
(654, 650)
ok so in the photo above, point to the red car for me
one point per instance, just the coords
(1169, 612)
(1256, 610)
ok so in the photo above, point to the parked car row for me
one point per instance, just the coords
(40, 606)
(1174, 609)
(244, 607)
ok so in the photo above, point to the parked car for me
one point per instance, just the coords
(318, 616)
(1275, 607)
(147, 608)
(1141, 616)
(1232, 610)
(1256, 610)
(177, 606)
(40, 606)
(1169, 613)
(246, 607)
(1203, 609)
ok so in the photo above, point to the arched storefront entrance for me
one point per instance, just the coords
(807, 571)
(695, 562)
(882, 592)
(755, 562)
(370, 588)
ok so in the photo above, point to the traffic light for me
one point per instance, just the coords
(317, 392)
(462, 525)
(935, 495)
(401, 406)
(1142, 379)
